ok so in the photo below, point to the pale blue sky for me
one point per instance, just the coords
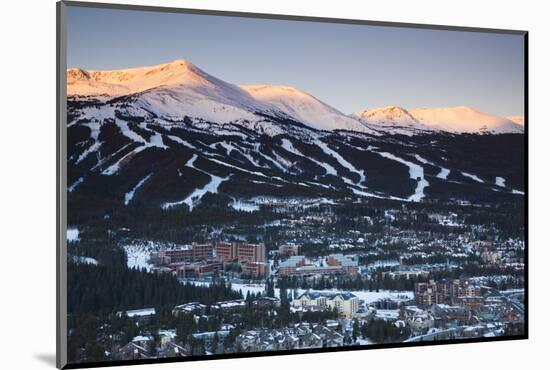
(350, 67)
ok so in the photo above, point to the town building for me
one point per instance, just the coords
(336, 264)
(196, 270)
(242, 252)
(288, 249)
(302, 336)
(188, 253)
(141, 316)
(255, 269)
(454, 292)
(250, 256)
(132, 351)
(407, 274)
(346, 304)
(225, 251)
(418, 319)
(250, 252)
(195, 308)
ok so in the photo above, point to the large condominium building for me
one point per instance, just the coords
(448, 291)
(197, 269)
(226, 251)
(346, 304)
(250, 256)
(251, 252)
(189, 253)
(255, 269)
(336, 264)
(243, 252)
(427, 294)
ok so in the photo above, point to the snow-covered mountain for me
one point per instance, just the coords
(134, 80)
(454, 119)
(304, 107)
(178, 89)
(464, 120)
(388, 116)
(171, 91)
(391, 119)
(171, 136)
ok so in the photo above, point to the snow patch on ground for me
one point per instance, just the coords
(130, 195)
(194, 198)
(113, 169)
(416, 173)
(473, 177)
(500, 181)
(93, 148)
(84, 260)
(325, 148)
(75, 184)
(244, 206)
(181, 141)
(138, 255)
(73, 234)
(287, 145)
(443, 174)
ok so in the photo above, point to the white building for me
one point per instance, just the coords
(346, 304)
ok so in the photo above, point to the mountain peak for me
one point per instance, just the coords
(177, 64)
(274, 89)
(391, 115)
(133, 80)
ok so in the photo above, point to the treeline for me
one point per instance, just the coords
(382, 331)
(107, 253)
(102, 290)
(376, 282)
(177, 225)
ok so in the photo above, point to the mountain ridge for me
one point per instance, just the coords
(179, 88)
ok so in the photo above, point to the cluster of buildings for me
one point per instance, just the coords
(301, 336)
(501, 254)
(460, 299)
(199, 260)
(334, 264)
(460, 292)
(141, 347)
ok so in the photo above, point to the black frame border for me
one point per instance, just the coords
(61, 185)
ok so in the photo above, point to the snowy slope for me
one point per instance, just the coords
(134, 80)
(393, 119)
(520, 120)
(305, 108)
(464, 120)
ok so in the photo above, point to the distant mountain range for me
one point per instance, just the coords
(173, 136)
(180, 87)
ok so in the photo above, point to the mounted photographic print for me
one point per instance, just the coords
(234, 184)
